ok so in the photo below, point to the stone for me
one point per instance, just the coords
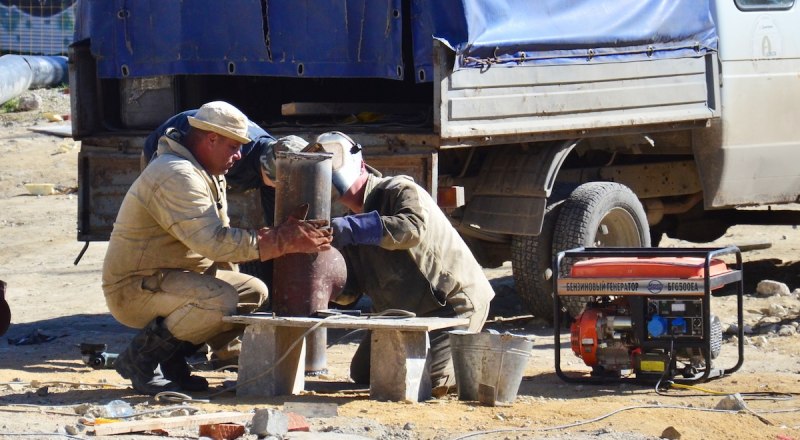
(777, 310)
(28, 102)
(786, 330)
(268, 422)
(770, 288)
(671, 433)
(733, 402)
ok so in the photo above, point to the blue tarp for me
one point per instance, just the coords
(577, 31)
(365, 38)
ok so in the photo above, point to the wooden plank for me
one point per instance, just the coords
(172, 422)
(347, 108)
(371, 323)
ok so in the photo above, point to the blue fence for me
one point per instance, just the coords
(36, 27)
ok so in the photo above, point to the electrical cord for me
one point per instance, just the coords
(596, 419)
(62, 382)
(754, 395)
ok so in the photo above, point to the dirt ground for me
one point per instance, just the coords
(46, 390)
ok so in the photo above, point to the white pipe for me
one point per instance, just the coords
(19, 73)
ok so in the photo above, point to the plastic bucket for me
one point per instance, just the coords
(489, 366)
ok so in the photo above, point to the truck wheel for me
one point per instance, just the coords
(531, 262)
(598, 214)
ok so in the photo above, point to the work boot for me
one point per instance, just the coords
(152, 345)
(177, 370)
(226, 358)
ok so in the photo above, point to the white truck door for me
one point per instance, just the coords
(759, 148)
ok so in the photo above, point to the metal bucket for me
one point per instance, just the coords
(489, 366)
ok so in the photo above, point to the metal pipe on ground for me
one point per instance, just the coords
(304, 283)
(19, 73)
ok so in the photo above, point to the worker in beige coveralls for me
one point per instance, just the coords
(168, 269)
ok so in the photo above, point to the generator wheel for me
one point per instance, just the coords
(598, 214)
(531, 261)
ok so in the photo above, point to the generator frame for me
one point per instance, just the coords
(710, 282)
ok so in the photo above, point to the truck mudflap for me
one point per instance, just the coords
(512, 189)
(105, 176)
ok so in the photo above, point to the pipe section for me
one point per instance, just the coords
(304, 283)
(19, 73)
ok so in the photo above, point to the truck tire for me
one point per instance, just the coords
(532, 262)
(598, 214)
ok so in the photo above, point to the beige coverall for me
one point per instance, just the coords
(168, 250)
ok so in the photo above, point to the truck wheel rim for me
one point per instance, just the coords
(617, 229)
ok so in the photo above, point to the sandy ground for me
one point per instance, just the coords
(45, 389)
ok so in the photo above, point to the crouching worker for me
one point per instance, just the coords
(168, 270)
(402, 252)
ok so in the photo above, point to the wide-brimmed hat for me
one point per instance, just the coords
(291, 143)
(223, 119)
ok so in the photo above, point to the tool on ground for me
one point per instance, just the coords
(96, 356)
(5, 310)
(650, 314)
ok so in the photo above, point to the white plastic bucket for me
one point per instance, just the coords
(489, 366)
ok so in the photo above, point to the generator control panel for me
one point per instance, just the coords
(678, 318)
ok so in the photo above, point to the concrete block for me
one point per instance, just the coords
(269, 422)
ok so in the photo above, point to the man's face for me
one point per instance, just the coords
(219, 153)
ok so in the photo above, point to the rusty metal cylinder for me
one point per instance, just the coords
(304, 283)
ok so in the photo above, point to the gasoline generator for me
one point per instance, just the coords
(648, 314)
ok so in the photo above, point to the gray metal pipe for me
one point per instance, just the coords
(19, 73)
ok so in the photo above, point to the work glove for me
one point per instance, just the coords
(366, 228)
(294, 236)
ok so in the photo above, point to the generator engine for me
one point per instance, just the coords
(654, 337)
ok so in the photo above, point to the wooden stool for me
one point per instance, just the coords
(398, 367)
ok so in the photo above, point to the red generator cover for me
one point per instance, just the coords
(646, 267)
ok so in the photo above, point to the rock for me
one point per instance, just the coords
(409, 426)
(768, 328)
(786, 330)
(733, 402)
(733, 329)
(776, 310)
(71, 430)
(269, 422)
(671, 433)
(28, 102)
(770, 288)
(761, 341)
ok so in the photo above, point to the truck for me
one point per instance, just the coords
(538, 126)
